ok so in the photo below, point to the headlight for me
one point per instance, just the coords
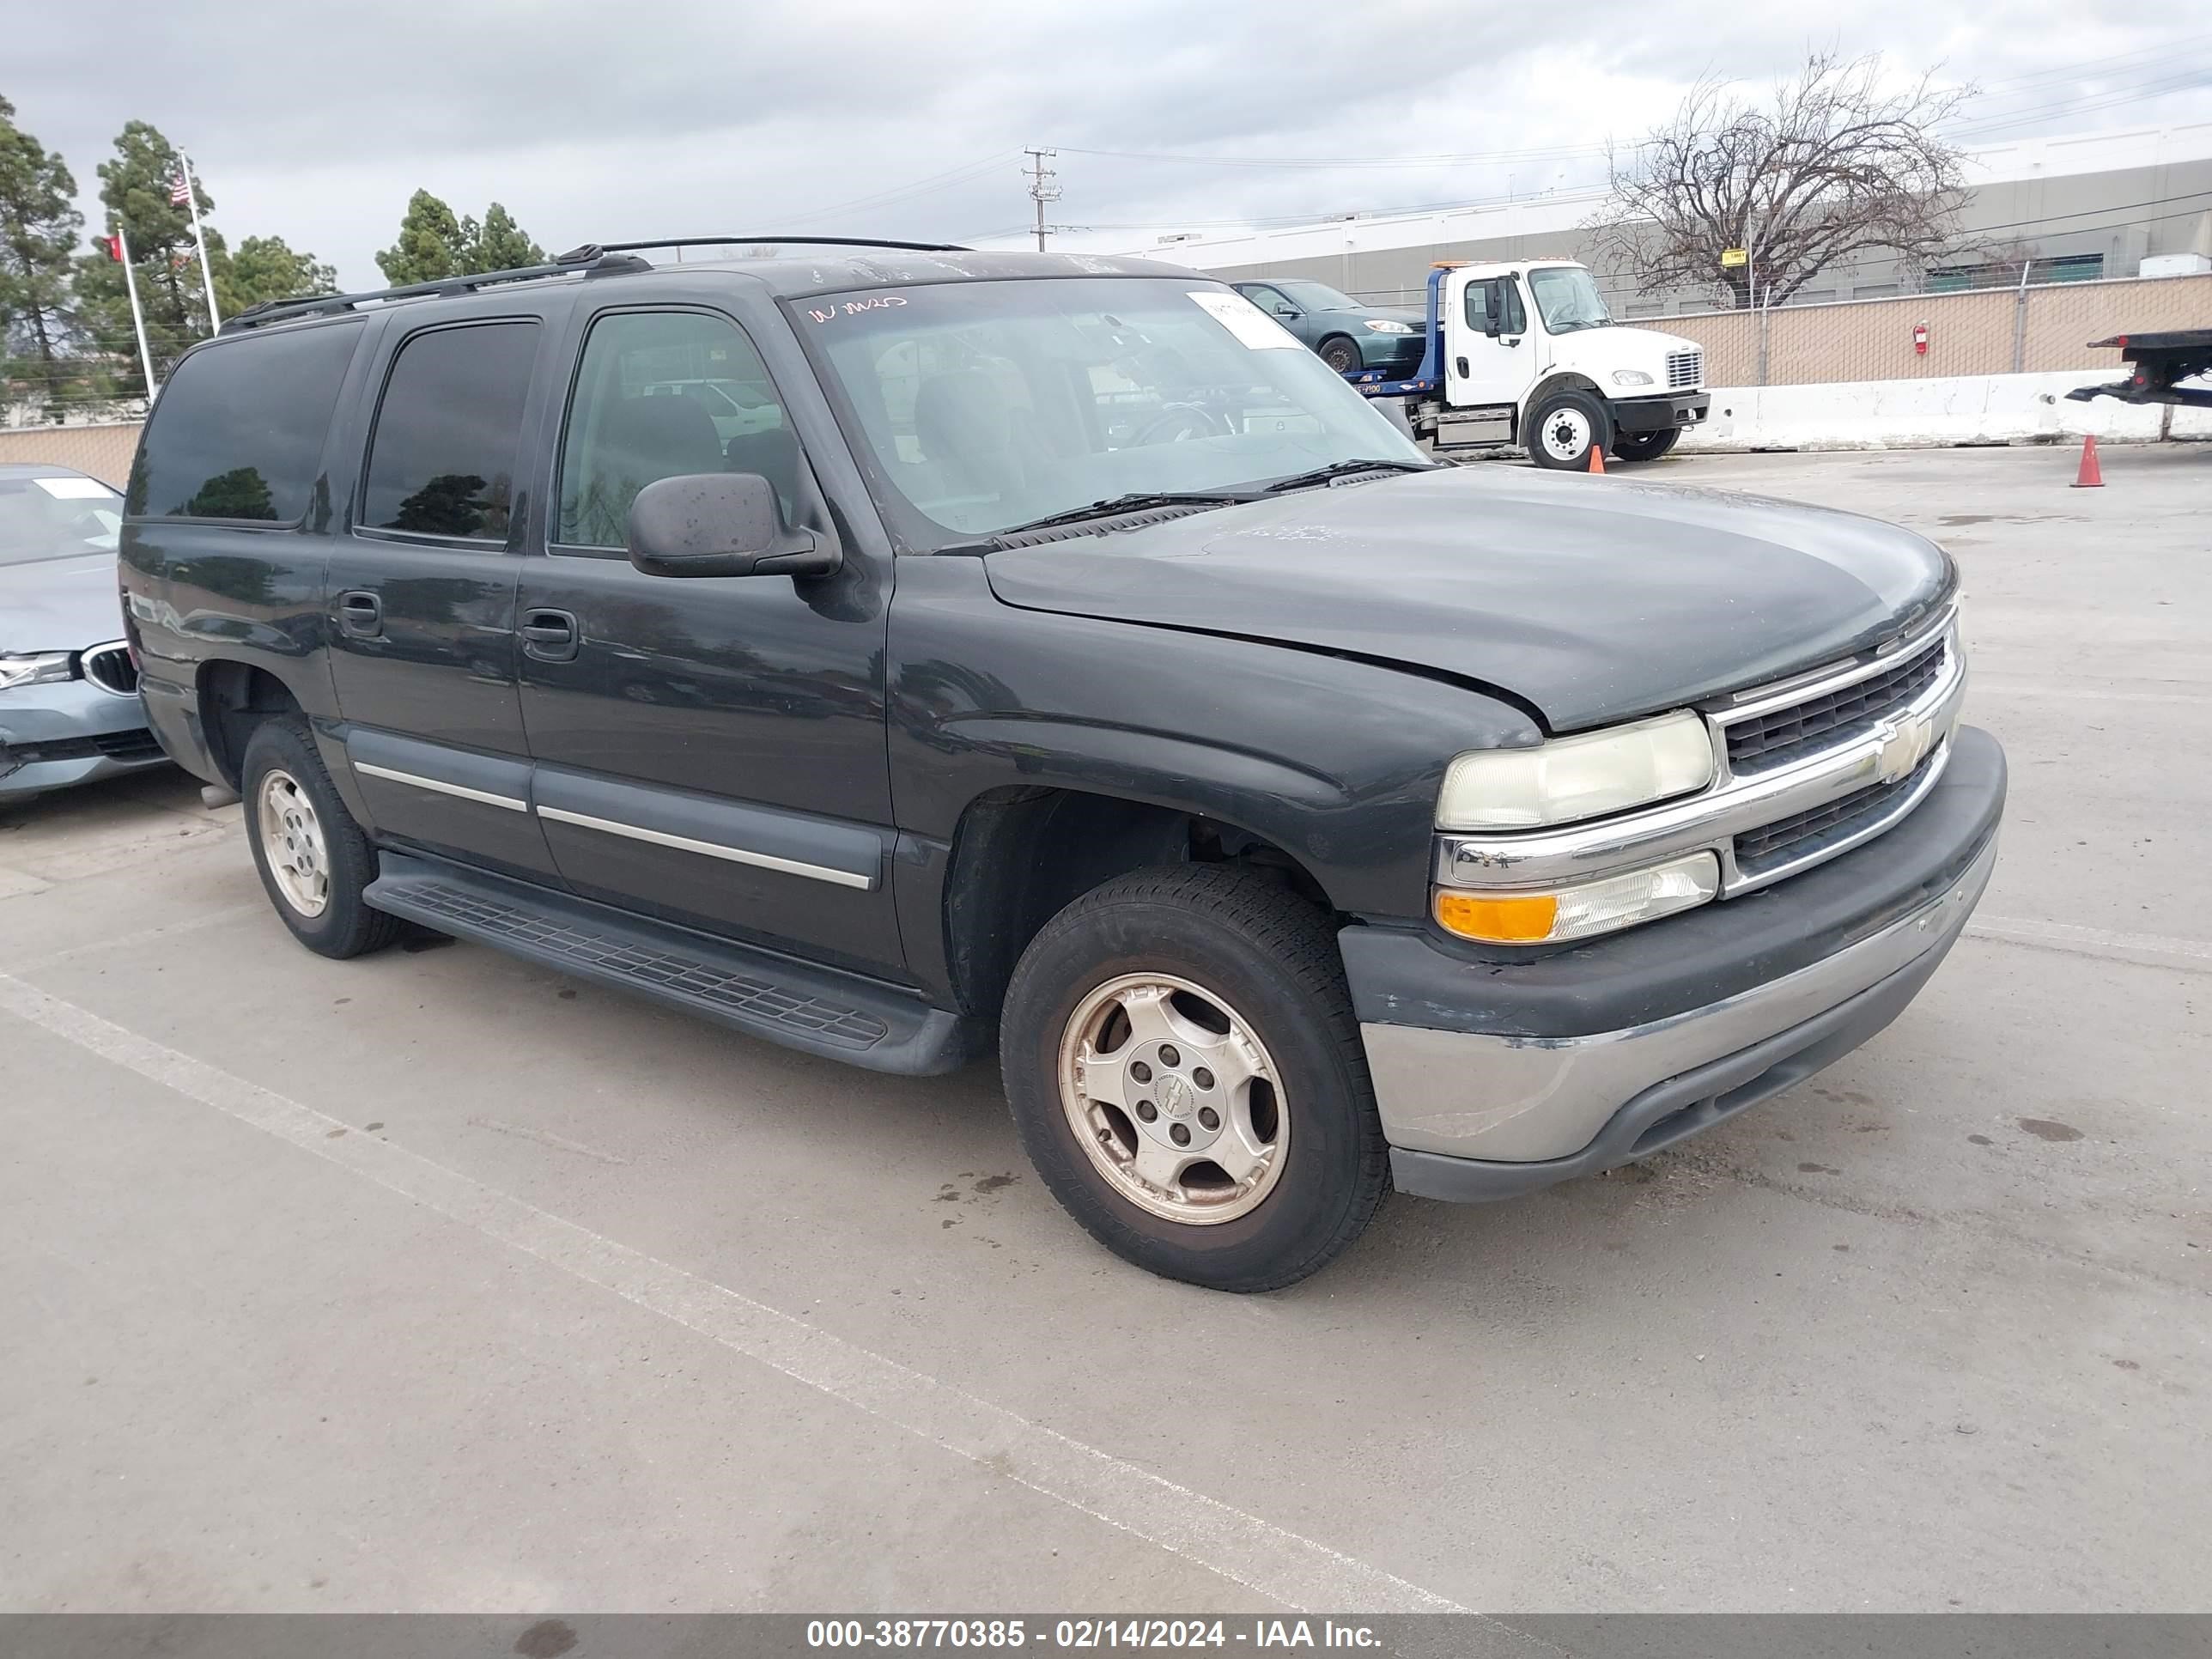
(1631, 377)
(33, 668)
(1581, 909)
(1379, 326)
(1570, 779)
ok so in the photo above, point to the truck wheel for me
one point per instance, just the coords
(1561, 430)
(1187, 1076)
(1645, 446)
(313, 859)
(1339, 354)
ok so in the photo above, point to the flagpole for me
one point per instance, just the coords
(207, 275)
(138, 317)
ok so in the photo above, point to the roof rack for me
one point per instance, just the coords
(584, 261)
(781, 241)
(592, 259)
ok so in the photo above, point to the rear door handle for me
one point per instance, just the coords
(551, 635)
(360, 613)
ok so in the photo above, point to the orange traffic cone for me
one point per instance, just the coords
(2091, 477)
(1597, 457)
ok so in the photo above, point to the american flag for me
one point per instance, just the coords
(181, 192)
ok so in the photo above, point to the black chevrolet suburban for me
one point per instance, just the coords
(900, 651)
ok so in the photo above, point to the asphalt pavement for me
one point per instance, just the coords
(435, 1281)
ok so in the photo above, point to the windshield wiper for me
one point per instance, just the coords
(1322, 475)
(1114, 506)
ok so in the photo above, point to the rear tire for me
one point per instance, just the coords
(1212, 1005)
(313, 859)
(1339, 354)
(1561, 431)
(1639, 447)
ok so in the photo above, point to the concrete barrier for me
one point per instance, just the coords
(1978, 408)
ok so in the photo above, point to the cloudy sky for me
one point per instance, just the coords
(612, 122)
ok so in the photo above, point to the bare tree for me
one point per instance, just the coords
(1834, 168)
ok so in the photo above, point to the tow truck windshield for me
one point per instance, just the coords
(1568, 299)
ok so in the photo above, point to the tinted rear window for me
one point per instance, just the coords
(442, 459)
(238, 431)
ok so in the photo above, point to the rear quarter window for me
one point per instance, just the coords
(238, 431)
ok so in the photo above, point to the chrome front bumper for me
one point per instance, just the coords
(1497, 1071)
(1531, 1100)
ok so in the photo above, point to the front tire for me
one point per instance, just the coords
(1187, 1076)
(1563, 430)
(314, 861)
(1639, 447)
(1339, 354)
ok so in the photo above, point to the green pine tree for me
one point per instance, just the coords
(433, 244)
(430, 245)
(133, 187)
(498, 244)
(265, 268)
(39, 228)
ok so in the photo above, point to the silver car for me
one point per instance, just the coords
(69, 690)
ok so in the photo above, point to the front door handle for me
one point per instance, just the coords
(1462, 368)
(551, 635)
(360, 613)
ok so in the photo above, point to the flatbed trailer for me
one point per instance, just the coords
(2162, 361)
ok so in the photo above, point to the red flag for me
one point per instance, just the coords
(114, 246)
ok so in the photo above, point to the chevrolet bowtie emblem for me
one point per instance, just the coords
(1904, 745)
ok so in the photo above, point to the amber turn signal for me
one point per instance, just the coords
(1500, 918)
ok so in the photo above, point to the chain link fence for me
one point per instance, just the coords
(1985, 331)
(103, 450)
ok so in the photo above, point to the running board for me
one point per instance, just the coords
(800, 1004)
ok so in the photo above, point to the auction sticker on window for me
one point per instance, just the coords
(70, 490)
(1253, 326)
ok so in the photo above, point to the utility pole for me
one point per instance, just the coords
(1042, 188)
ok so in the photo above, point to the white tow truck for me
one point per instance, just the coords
(1526, 353)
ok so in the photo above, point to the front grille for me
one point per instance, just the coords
(110, 668)
(1685, 369)
(108, 746)
(1802, 835)
(1786, 734)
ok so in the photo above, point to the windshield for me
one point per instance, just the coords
(1318, 296)
(991, 405)
(1568, 299)
(57, 517)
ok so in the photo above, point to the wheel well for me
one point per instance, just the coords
(1327, 340)
(1566, 380)
(1021, 855)
(235, 697)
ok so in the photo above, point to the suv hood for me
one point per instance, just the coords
(1593, 600)
(60, 605)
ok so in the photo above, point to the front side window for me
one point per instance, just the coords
(442, 459)
(1568, 299)
(665, 395)
(238, 431)
(988, 404)
(1498, 297)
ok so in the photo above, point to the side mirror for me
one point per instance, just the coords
(721, 524)
(1289, 313)
(1490, 310)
